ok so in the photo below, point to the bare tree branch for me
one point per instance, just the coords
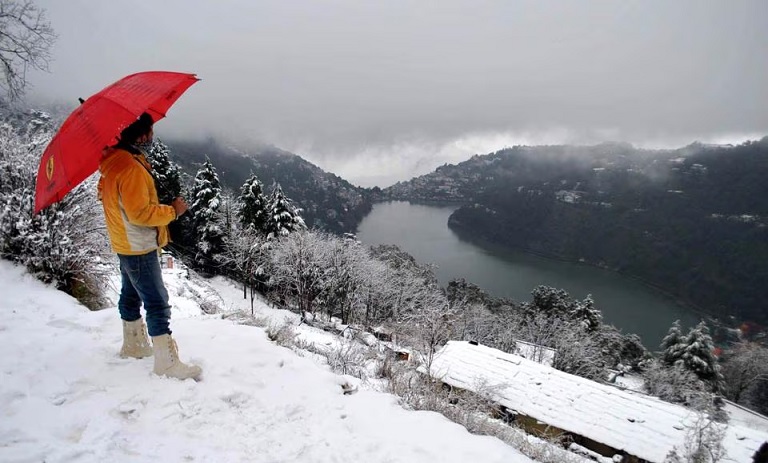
(26, 38)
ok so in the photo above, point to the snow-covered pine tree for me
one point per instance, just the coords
(253, 205)
(551, 301)
(699, 356)
(207, 218)
(673, 345)
(166, 172)
(587, 314)
(283, 217)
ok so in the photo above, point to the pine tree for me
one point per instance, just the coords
(673, 345)
(253, 208)
(551, 301)
(166, 173)
(698, 356)
(207, 219)
(587, 314)
(283, 217)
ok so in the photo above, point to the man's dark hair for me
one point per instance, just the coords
(136, 130)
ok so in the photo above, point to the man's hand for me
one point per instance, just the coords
(180, 206)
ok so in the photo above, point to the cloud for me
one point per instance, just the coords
(381, 90)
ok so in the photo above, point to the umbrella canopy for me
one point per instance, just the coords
(75, 151)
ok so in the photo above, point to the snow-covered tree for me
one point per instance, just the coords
(167, 173)
(694, 351)
(344, 277)
(244, 257)
(550, 301)
(298, 265)
(673, 383)
(65, 244)
(673, 344)
(253, 205)
(745, 369)
(587, 314)
(283, 218)
(428, 321)
(476, 323)
(207, 218)
(699, 356)
(577, 350)
(375, 299)
(703, 438)
(557, 303)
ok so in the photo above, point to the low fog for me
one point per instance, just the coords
(381, 91)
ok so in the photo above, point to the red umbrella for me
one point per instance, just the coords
(75, 151)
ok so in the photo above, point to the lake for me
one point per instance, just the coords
(423, 232)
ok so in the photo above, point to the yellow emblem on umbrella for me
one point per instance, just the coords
(49, 168)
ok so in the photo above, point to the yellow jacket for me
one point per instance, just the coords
(136, 221)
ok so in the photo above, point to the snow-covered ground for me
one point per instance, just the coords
(65, 395)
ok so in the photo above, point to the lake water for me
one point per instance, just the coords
(423, 232)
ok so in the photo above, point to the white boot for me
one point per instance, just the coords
(135, 340)
(167, 361)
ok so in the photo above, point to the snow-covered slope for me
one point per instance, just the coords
(65, 395)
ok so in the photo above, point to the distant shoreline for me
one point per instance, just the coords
(492, 245)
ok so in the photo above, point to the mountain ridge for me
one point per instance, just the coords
(690, 221)
(327, 201)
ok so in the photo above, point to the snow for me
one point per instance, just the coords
(67, 396)
(535, 352)
(640, 425)
(630, 381)
(745, 417)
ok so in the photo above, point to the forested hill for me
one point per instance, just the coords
(690, 221)
(328, 201)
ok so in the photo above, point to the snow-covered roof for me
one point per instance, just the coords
(637, 424)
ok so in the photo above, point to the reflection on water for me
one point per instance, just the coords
(423, 232)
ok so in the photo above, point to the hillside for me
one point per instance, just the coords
(328, 201)
(690, 221)
(67, 396)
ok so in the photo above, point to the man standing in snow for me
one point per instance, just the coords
(138, 228)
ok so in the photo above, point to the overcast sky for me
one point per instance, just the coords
(381, 91)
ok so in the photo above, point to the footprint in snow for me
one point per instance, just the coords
(236, 399)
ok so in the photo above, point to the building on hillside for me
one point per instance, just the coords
(599, 417)
(167, 261)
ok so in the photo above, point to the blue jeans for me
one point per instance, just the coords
(143, 282)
